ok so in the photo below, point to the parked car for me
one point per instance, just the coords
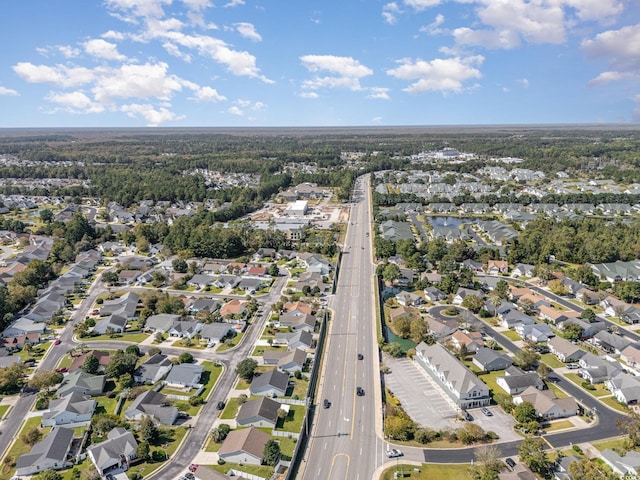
(393, 453)
(573, 366)
(487, 412)
(56, 341)
(510, 463)
(193, 467)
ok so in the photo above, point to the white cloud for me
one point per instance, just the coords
(524, 82)
(421, 4)
(234, 3)
(153, 116)
(60, 75)
(136, 81)
(10, 92)
(100, 48)
(599, 10)
(348, 72)
(376, 120)
(75, 102)
(173, 50)
(235, 111)
(208, 94)
(66, 51)
(620, 47)
(434, 27)
(248, 30)
(441, 74)
(608, 77)
(113, 35)
(389, 12)
(379, 93)
(140, 8)
(197, 5)
(311, 95)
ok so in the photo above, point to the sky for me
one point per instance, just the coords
(296, 63)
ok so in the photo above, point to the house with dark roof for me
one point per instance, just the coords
(287, 361)
(125, 306)
(153, 369)
(114, 322)
(610, 342)
(81, 382)
(271, 384)
(260, 412)
(244, 446)
(301, 339)
(596, 369)
(462, 293)
(115, 453)
(72, 409)
(489, 360)
(185, 328)
(624, 387)
(298, 322)
(565, 350)
(50, 453)
(154, 405)
(516, 381)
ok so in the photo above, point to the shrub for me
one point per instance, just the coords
(158, 455)
(221, 461)
(193, 401)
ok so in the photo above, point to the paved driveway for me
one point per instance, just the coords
(419, 395)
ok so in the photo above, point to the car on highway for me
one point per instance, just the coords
(360, 356)
(360, 391)
(487, 412)
(326, 403)
(393, 453)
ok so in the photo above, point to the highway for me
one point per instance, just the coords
(345, 443)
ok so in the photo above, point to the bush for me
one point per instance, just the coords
(577, 449)
(425, 435)
(193, 401)
(588, 386)
(158, 456)
(42, 403)
(221, 461)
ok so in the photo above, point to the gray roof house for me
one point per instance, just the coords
(185, 328)
(629, 464)
(115, 322)
(516, 381)
(50, 453)
(434, 294)
(624, 387)
(185, 375)
(538, 332)
(215, 332)
(124, 306)
(73, 408)
(300, 339)
(161, 322)
(565, 350)
(547, 405)
(298, 322)
(596, 369)
(84, 383)
(611, 342)
(462, 386)
(115, 453)
(153, 405)
(271, 384)
(153, 369)
(261, 412)
(490, 360)
(286, 361)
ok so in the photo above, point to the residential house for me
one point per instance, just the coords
(610, 342)
(261, 412)
(433, 294)
(565, 350)
(520, 472)
(538, 332)
(24, 326)
(315, 263)
(73, 408)
(409, 299)
(48, 454)
(233, 308)
(441, 328)
(226, 281)
(471, 340)
(154, 405)
(270, 384)
(513, 318)
(185, 329)
(624, 387)
(127, 277)
(244, 446)
(472, 265)
(185, 375)
(297, 308)
(556, 316)
(516, 381)
(115, 453)
(547, 405)
(81, 382)
(588, 329)
(286, 361)
(596, 369)
(462, 386)
(215, 332)
(490, 360)
(251, 285)
(462, 293)
(263, 253)
(113, 323)
(561, 471)
(298, 322)
(153, 369)
(588, 296)
(204, 304)
(403, 312)
(523, 270)
(161, 322)
(631, 355)
(497, 267)
(301, 339)
(125, 306)
(200, 280)
(629, 464)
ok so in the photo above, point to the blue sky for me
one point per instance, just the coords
(121, 63)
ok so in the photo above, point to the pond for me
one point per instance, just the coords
(405, 343)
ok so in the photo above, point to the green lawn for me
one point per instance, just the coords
(559, 392)
(559, 425)
(613, 403)
(430, 471)
(231, 409)
(192, 344)
(210, 377)
(19, 447)
(600, 390)
(490, 380)
(511, 335)
(551, 360)
(3, 410)
(287, 446)
(127, 337)
(106, 405)
(170, 438)
(617, 443)
(293, 421)
(65, 362)
(261, 471)
(300, 388)
(259, 350)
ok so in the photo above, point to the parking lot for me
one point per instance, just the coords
(419, 395)
(499, 422)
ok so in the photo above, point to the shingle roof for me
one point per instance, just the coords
(54, 446)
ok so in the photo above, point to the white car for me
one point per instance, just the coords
(393, 453)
